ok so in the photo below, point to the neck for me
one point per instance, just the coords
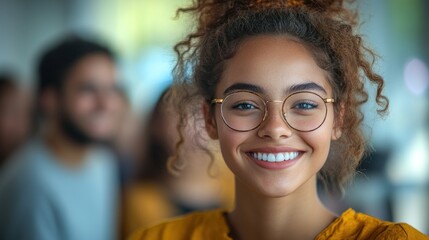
(299, 215)
(66, 150)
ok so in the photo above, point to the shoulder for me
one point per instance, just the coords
(24, 182)
(21, 168)
(408, 232)
(199, 225)
(354, 225)
(25, 202)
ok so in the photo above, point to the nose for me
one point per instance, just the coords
(274, 126)
(106, 97)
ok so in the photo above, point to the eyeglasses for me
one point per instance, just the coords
(245, 111)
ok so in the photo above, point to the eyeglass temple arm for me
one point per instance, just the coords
(329, 100)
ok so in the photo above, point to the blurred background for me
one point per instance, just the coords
(393, 183)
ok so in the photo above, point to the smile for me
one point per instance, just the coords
(274, 157)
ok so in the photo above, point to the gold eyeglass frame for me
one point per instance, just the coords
(221, 100)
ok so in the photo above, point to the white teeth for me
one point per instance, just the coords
(280, 157)
(264, 157)
(274, 157)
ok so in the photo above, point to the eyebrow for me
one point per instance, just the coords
(305, 87)
(294, 88)
(243, 86)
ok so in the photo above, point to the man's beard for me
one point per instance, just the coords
(75, 133)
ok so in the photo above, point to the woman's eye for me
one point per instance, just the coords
(244, 106)
(305, 106)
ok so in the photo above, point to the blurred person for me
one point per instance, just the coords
(15, 115)
(157, 194)
(63, 183)
(127, 141)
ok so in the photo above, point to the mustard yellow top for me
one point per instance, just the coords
(212, 225)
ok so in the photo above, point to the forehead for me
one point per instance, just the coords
(96, 68)
(273, 63)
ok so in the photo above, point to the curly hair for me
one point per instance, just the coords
(325, 27)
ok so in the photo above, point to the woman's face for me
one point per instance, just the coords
(274, 67)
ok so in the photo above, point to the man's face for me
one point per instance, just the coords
(90, 103)
(15, 118)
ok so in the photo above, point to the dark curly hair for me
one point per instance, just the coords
(325, 27)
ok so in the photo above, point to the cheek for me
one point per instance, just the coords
(228, 138)
(81, 104)
(230, 142)
(114, 103)
(320, 143)
(320, 139)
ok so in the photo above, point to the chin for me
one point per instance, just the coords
(277, 192)
(273, 188)
(101, 132)
(103, 138)
(100, 137)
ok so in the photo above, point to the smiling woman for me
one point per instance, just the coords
(285, 63)
(282, 91)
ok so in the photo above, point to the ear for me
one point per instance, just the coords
(210, 121)
(338, 123)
